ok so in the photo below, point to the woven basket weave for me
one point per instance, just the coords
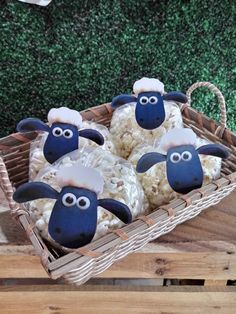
(82, 264)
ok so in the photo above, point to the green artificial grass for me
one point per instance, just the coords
(82, 53)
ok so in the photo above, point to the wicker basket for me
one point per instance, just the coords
(82, 264)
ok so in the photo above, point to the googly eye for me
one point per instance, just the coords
(68, 133)
(143, 100)
(153, 100)
(69, 200)
(83, 202)
(186, 156)
(175, 158)
(57, 131)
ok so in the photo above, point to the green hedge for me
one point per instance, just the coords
(82, 53)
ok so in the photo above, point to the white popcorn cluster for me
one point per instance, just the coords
(127, 134)
(120, 183)
(154, 181)
(37, 160)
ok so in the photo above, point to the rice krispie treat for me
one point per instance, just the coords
(120, 183)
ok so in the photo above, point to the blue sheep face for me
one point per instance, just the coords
(150, 111)
(63, 138)
(184, 170)
(73, 220)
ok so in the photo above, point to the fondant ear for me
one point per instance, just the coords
(117, 208)
(93, 135)
(148, 160)
(216, 150)
(176, 96)
(33, 190)
(32, 124)
(122, 99)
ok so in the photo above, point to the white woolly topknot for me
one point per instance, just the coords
(65, 115)
(81, 177)
(146, 84)
(177, 137)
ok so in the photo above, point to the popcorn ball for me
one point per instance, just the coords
(120, 183)
(127, 134)
(144, 116)
(37, 160)
(154, 181)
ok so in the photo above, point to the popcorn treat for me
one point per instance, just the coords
(155, 181)
(120, 183)
(108, 141)
(127, 134)
(63, 132)
(149, 99)
(37, 159)
(73, 220)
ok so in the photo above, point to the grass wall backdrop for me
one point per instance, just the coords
(82, 53)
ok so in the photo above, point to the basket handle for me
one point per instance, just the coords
(219, 95)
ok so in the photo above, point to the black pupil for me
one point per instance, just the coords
(152, 100)
(82, 202)
(176, 158)
(67, 133)
(144, 100)
(185, 156)
(58, 132)
(69, 200)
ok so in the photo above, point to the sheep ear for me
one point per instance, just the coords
(121, 100)
(33, 190)
(148, 160)
(93, 135)
(176, 96)
(32, 124)
(117, 208)
(216, 150)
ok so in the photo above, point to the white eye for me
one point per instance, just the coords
(69, 200)
(143, 100)
(153, 100)
(68, 133)
(175, 158)
(57, 132)
(186, 156)
(83, 202)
